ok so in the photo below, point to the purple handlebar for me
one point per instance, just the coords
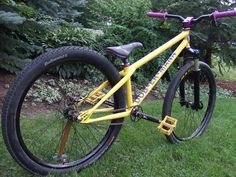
(157, 14)
(216, 14)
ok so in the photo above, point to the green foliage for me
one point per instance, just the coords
(45, 91)
(26, 11)
(65, 10)
(67, 35)
(25, 28)
(224, 93)
(28, 28)
(10, 19)
(125, 21)
(12, 63)
(53, 90)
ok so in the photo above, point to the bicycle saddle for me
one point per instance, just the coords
(123, 51)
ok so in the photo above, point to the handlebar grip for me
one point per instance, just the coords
(216, 14)
(157, 14)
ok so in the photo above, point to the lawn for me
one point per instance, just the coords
(142, 151)
(226, 73)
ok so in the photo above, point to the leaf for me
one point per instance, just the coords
(10, 18)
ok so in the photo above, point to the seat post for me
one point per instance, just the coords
(125, 62)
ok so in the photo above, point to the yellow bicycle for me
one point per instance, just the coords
(66, 108)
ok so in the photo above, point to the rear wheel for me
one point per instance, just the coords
(180, 98)
(38, 128)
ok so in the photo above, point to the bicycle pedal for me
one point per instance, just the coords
(94, 98)
(167, 125)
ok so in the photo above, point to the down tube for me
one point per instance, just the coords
(160, 73)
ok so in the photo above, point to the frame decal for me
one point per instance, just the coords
(156, 78)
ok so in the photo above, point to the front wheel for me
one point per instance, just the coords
(181, 98)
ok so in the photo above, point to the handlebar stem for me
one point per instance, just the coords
(188, 22)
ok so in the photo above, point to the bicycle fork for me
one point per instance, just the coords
(195, 77)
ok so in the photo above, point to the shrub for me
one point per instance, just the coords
(125, 21)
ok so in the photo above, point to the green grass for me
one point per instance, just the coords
(142, 151)
(228, 74)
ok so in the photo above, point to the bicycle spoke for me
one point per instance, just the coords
(189, 117)
(75, 130)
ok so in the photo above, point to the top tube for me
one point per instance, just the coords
(189, 21)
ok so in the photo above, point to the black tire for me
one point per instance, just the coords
(25, 144)
(191, 122)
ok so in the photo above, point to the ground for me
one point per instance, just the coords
(5, 80)
(229, 85)
(141, 151)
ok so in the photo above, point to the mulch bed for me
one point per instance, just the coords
(227, 85)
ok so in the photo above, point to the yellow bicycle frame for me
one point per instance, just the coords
(126, 74)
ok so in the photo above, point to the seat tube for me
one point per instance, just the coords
(128, 89)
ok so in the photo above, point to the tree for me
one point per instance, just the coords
(25, 25)
(209, 39)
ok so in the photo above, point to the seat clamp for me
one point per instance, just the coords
(125, 62)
